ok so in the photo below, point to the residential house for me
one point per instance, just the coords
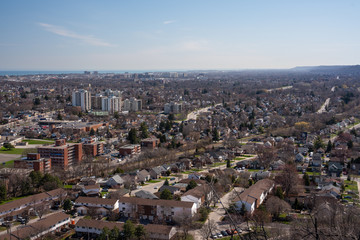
(155, 210)
(114, 181)
(101, 206)
(143, 176)
(91, 190)
(335, 169)
(198, 195)
(145, 194)
(157, 172)
(39, 228)
(195, 175)
(172, 189)
(299, 158)
(255, 195)
(12, 210)
(317, 161)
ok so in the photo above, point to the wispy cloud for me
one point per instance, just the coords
(195, 45)
(61, 31)
(168, 21)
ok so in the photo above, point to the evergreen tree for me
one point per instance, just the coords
(92, 132)
(132, 136)
(166, 183)
(279, 193)
(166, 195)
(140, 232)
(215, 134)
(318, 143)
(192, 184)
(228, 164)
(306, 179)
(329, 147)
(144, 130)
(67, 205)
(128, 229)
(3, 192)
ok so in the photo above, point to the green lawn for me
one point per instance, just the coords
(12, 150)
(68, 186)
(313, 173)
(247, 156)
(38, 141)
(153, 181)
(12, 199)
(240, 158)
(253, 170)
(351, 185)
(218, 164)
(8, 164)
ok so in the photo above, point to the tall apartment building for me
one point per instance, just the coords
(92, 147)
(96, 101)
(62, 154)
(82, 98)
(172, 107)
(132, 104)
(111, 104)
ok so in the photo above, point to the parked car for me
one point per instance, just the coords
(213, 236)
(219, 235)
(224, 233)
(229, 232)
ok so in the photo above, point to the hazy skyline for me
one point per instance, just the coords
(184, 35)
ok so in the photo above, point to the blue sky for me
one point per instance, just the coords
(177, 35)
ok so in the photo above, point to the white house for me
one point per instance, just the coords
(255, 195)
(152, 209)
(101, 205)
(198, 195)
(94, 228)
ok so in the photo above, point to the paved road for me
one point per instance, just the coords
(194, 114)
(7, 157)
(218, 213)
(323, 107)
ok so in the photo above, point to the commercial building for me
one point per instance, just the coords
(82, 98)
(129, 149)
(34, 162)
(62, 154)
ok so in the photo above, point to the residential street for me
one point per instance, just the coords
(218, 213)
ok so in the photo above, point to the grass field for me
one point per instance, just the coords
(11, 199)
(153, 181)
(8, 164)
(68, 186)
(240, 158)
(12, 150)
(38, 141)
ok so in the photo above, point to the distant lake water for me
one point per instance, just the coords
(21, 73)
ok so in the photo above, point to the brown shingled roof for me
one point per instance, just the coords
(154, 202)
(94, 200)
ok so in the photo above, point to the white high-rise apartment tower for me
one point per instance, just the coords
(82, 98)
